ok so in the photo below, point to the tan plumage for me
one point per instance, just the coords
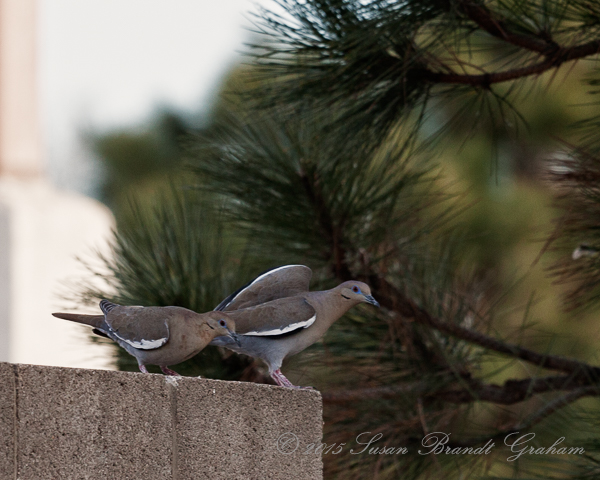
(160, 336)
(276, 315)
(281, 282)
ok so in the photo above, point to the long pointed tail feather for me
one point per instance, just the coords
(95, 321)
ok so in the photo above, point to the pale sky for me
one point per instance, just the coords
(110, 63)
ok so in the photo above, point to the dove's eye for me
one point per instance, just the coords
(355, 289)
(222, 323)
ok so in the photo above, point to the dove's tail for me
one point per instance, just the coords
(95, 321)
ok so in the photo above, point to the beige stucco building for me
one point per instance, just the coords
(42, 229)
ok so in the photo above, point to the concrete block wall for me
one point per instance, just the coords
(63, 423)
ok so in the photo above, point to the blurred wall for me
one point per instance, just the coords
(20, 141)
(42, 229)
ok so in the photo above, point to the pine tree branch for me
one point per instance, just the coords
(555, 59)
(555, 55)
(534, 418)
(331, 231)
(484, 19)
(556, 405)
(347, 396)
(511, 392)
(393, 299)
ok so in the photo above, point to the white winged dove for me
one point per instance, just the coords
(276, 316)
(160, 336)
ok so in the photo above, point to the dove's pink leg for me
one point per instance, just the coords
(282, 381)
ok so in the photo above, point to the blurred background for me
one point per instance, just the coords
(72, 71)
(109, 65)
(143, 159)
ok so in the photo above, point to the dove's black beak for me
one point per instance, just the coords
(235, 337)
(370, 299)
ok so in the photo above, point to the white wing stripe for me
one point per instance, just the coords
(144, 344)
(281, 331)
(259, 278)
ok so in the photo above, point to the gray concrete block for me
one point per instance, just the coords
(91, 424)
(230, 430)
(7, 420)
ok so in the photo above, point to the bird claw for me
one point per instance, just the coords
(168, 371)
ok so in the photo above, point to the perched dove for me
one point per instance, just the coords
(276, 316)
(160, 336)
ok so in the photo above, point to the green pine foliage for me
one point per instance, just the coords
(173, 250)
(326, 155)
(577, 178)
(379, 61)
(302, 191)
